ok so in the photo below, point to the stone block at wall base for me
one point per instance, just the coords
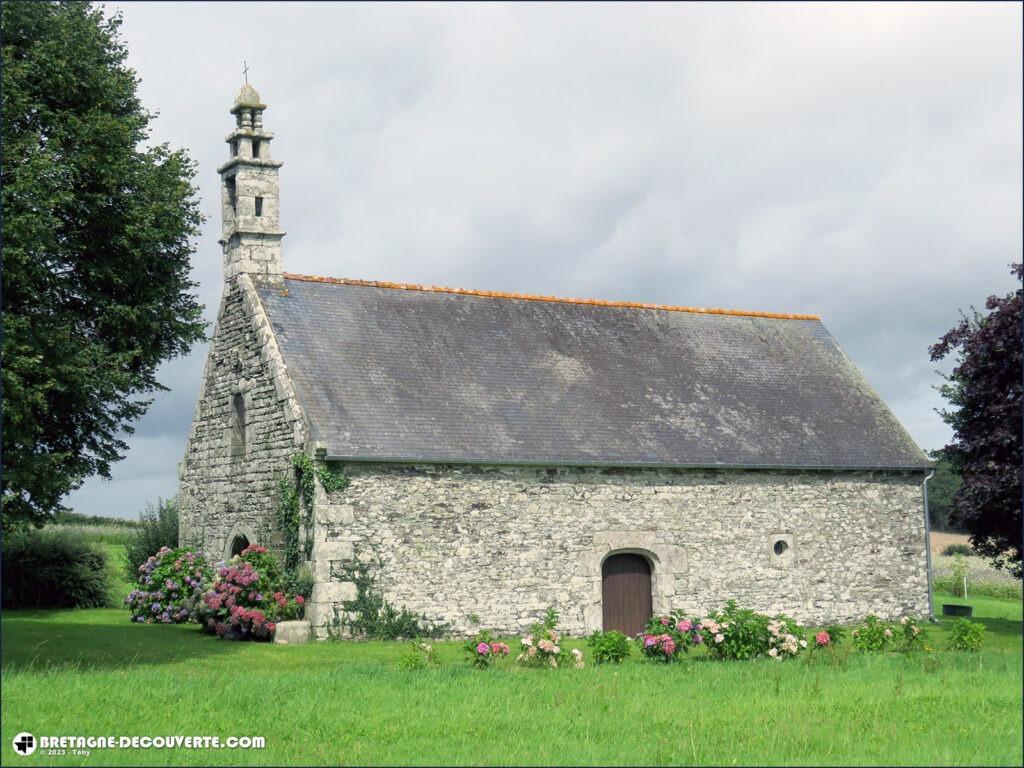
(333, 592)
(292, 632)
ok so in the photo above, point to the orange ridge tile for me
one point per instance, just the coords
(534, 297)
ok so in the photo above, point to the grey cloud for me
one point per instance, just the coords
(858, 161)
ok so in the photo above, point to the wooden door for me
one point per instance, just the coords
(626, 593)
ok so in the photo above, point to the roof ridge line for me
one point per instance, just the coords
(552, 299)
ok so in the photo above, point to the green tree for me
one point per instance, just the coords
(942, 490)
(97, 235)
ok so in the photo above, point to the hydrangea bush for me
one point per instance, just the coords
(668, 637)
(786, 637)
(482, 650)
(739, 633)
(829, 637)
(911, 637)
(542, 646)
(170, 588)
(873, 635)
(246, 601)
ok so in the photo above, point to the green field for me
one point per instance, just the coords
(90, 672)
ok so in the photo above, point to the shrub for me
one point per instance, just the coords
(482, 650)
(298, 582)
(52, 568)
(264, 563)
(740, 633)
(787, 637)
(959, 549)
(542, 645)
(736, 633)
(911, 637)
(966, 635)
(370, 616)
(609, 647)
(420, 656)
(246, 601)
(873, 635)
(667, 638)
(170, 587)
(959, 571)
(157, 528)
(831, 636)
(1006, 590)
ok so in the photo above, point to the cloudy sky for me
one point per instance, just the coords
(861, 162)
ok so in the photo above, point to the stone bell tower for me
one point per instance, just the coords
(249, 194)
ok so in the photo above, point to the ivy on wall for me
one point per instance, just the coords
(369, 616)
(295, 508)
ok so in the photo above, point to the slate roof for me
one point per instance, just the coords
(440, 375)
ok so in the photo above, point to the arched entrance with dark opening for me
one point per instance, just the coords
(626, 592)
(238, 544)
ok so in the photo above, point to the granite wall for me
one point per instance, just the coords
(228, 481)
(506, 543)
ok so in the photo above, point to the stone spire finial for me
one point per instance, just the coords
(249, 193)
(247, 98)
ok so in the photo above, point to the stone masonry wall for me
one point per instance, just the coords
(506, 543)
(224, 490)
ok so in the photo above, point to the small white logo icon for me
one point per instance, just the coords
(25, 744)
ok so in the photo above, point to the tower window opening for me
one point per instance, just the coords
(238, 425)
(255, 147)
(230, 186)
(259, 206)
(234, 147)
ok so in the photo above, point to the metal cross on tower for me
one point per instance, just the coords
(245, 70)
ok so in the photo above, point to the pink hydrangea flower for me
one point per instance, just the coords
(483, 649)
(822, 638)
(685, 625)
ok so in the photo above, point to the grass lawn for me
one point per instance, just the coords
(90, 672)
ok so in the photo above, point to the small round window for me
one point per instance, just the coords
(780, 547)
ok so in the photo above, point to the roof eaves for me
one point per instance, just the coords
(629, 465)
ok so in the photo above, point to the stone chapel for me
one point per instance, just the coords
(511, 452)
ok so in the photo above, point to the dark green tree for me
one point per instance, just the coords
(985, 391)
(97, 231)
(942, 490)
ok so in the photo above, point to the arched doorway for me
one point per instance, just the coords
(626, 593)
(238, 544)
